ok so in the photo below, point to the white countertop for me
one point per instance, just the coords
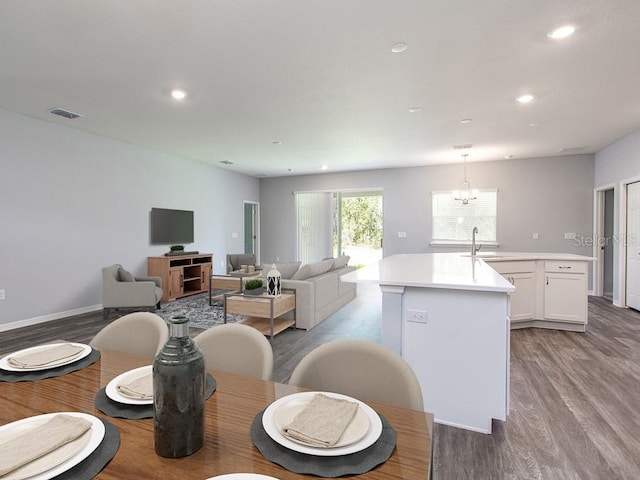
(456, 271)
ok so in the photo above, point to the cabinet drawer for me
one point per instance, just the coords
(565, 267)
(514, 267)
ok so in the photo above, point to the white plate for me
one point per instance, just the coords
(269, 424)
(112, 391)
(242, 476)
(5, 365)
(45, 467)
(355, 431)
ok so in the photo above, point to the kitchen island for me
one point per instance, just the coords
(447, 315)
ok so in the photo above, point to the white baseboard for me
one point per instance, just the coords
(47, 318)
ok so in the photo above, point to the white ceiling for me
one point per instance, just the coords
(319, 77)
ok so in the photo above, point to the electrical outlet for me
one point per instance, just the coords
(569, 236)
(402, 234)
(536, 236)
(1, 294)
(234, 235)
(417, 316)
(277, 259)
(222, 263)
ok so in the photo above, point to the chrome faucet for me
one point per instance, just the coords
(474, 249)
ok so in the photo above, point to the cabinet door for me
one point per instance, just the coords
(565, 297)
(523, 299)
(175, 282)
(206, 276)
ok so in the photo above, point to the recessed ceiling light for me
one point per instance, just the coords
(465, 120)
(562, 32)
(324, 167)
(525, 98)
(277, 142)
(414, 109)
(533, 125)
(508, 157)
(178, 94)
(399, 47)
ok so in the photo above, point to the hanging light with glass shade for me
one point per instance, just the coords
(465, 193)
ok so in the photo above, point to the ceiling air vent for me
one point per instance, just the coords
(65, 113)
(573, 150)
(462, 146)
(226, 162)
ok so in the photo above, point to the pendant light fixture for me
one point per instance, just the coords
(465, 193)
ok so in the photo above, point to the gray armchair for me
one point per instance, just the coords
(234, 260)
(120, 289)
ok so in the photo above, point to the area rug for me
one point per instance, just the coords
(198, 310)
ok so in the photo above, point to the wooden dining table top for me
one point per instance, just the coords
(229, 413)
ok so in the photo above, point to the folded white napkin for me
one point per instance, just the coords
(46, 356)
(140, 388)
(40, 440)
(322, 421)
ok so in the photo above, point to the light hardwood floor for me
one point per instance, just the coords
(575, 397)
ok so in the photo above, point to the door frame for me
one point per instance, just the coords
(256, 226)
(598, 235)
(619, 246)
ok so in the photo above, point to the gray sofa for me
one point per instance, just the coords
(319, 288)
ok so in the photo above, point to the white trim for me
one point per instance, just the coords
(598, 232)
(47, 318)
(622, 232)
(340, 190)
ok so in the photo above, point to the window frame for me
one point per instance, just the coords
(465, 242)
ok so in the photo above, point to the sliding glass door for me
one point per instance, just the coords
(340, 223)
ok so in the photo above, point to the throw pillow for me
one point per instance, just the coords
(341, 261)
(125, 276)
(286, 269)
(303, 273)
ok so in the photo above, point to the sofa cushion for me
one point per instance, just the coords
(309, 270)
(125, 276)
(341, 261)
(286, 269)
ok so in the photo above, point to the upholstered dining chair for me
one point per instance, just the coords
(236, 348)
(140, 333)
(361, 369)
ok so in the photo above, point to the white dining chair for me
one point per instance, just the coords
(361, 369)
(236, 348)
(140, 333)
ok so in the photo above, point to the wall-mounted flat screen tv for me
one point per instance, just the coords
(171, 227)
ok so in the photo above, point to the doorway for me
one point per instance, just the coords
(604, 242)
(358, 222)
(251, 235)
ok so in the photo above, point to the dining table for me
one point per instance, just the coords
(229, 413)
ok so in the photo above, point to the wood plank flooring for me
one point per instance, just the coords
(575, 397)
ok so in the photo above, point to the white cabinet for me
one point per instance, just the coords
(522, 275)
(565, 291)
(549, 293)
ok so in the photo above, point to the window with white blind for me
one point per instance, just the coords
(453, 221)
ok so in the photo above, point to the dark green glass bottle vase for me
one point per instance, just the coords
(178, 393)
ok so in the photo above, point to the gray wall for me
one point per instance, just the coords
(71, 203)
(550, 196)
(615, 166)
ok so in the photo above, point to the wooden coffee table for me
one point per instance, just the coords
(259, 307)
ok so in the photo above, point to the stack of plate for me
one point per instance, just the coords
(61, 459)
(111, 390)
(361, 433)
(5, 365)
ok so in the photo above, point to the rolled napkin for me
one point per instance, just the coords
(40, 440)
(322, 422)
(140, 388)
(50, 356)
